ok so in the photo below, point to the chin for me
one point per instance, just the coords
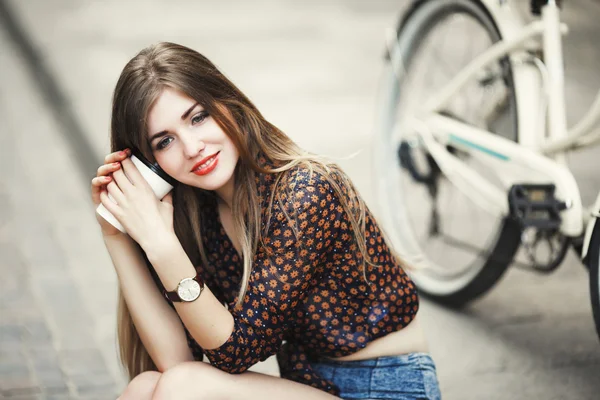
(208, 186)
(212, 182)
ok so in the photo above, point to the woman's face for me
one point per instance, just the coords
(182, 135)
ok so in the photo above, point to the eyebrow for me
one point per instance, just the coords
(184, 116)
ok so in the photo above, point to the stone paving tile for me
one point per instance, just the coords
(10, 334)
(36, 332)
(47, 369)
(15, 374)
(106, 391)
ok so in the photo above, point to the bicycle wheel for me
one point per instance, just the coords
(457, 250)
(593, 263)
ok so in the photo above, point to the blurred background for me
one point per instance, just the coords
(313, 68)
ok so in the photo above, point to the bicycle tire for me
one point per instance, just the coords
(593, 264)
(487, 270)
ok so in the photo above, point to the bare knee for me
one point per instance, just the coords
(142, 386)
(191, 380)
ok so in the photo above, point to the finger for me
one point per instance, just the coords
(132, 172)
(115, 191)
(168, 198)
(117, 156)
(97, 185)
(100, 180)
(122, 180)
(109, 204)
(108, 168)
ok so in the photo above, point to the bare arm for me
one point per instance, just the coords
(157, 324)
(207, 320)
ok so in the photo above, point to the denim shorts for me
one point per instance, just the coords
(408, 376)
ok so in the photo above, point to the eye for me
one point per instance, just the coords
(163, 143)
(198, 118)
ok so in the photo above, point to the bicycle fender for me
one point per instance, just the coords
(507, 20)
(526, 76)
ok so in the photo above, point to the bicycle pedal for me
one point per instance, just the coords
(534, 205)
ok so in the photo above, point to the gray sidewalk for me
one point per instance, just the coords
(57, 289)
(313, 68)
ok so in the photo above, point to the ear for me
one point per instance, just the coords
(168, 198)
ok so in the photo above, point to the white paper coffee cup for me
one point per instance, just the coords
(159, 181)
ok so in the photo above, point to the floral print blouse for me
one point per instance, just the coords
(307, 297)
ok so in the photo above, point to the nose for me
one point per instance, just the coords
(192, 146)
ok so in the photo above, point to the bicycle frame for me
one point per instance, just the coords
(539, 155)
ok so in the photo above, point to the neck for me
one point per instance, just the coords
(225, 193)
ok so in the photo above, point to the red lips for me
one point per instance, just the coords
(205, 159)
(209, 167)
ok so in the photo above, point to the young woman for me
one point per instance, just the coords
(260, 249)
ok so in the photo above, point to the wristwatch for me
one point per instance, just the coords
(189, 289)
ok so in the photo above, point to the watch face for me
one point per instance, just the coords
(188, 289)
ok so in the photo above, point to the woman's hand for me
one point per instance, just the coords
(146, 219)
(111, 164)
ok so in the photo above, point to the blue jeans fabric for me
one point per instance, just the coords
(408, 376)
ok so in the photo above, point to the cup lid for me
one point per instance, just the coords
(153, 167)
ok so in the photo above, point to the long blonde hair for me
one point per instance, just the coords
(171, 65)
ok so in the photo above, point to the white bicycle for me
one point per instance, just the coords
(470, 149)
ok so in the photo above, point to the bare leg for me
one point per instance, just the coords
(141, 387)
(198, 380)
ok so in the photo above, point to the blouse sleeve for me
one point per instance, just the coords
(304, 226)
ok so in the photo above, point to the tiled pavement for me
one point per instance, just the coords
(57, 286)
(56, 335)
